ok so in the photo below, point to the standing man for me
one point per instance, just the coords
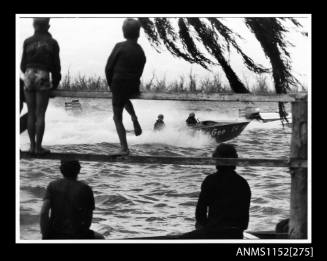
(222, 211)
(123, 71)
(40, 58)
(71, 203)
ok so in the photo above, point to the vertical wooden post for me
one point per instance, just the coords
(299, 176)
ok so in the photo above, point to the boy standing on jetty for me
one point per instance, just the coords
(123, 71)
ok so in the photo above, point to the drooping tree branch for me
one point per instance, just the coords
(228, 35)
(209, 41)
(190, 45)
(165, 31)
(150, 31)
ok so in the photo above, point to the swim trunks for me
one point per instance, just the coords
(36, 80)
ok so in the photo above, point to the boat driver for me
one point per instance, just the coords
(159, 124)
(191, 120)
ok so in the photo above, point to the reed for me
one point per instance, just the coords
(189, 84)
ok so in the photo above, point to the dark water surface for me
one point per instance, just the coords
(147, 199)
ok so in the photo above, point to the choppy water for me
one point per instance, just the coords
(148, 200)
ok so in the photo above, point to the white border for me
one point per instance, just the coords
(108, 241)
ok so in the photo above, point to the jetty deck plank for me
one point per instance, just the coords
(134, 159)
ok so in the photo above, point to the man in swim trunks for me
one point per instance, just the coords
(222, 211)
(71, 203)
(40, 58)
(123, 71)
(159, 124)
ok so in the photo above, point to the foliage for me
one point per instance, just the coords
(217, 38)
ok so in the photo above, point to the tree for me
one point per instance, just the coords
(217, 38)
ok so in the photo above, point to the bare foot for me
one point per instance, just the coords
(121, 152)
(31, 151)
(42, 151)
(137, 128)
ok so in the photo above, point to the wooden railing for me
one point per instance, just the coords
(134, 159)
(186, 96)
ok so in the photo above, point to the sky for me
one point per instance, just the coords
(86, 43)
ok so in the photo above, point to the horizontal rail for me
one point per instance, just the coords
(258, 234)
(169, 160)
(186, 96)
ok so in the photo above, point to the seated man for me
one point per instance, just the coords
(159, 124)
(222, 211)
(71, 203)
(191, 119)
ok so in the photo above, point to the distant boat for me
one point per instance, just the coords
(221, 131)
(73, 104)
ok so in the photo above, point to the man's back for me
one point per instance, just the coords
(71, 203)
(41, 51)
(228, 197)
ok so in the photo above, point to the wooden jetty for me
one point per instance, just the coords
(297, 162)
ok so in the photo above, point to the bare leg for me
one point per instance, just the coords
(118, 119)
(130, 109)
(30, 98)
(42, 100)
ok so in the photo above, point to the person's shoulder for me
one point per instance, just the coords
(140, 47)
(210, 178)
(55, 183)
(243, 180)
(50, 38)
(29, 39)
(54, 41)
(120, 44)
(84, 185)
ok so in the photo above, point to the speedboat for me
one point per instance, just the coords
(73, 104)
(221, 131)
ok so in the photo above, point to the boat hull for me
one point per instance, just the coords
(221, 131)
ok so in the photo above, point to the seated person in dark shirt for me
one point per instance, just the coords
(71, 203)
(159, 124)
(222, 211)
(191, 119)
(123, 71)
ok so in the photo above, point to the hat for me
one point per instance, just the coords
(224, 150)
(41, 20)
(192, 114)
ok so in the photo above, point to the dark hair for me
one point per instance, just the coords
(70, 168)
(224, 150)
(41, 24)
(131, 28)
